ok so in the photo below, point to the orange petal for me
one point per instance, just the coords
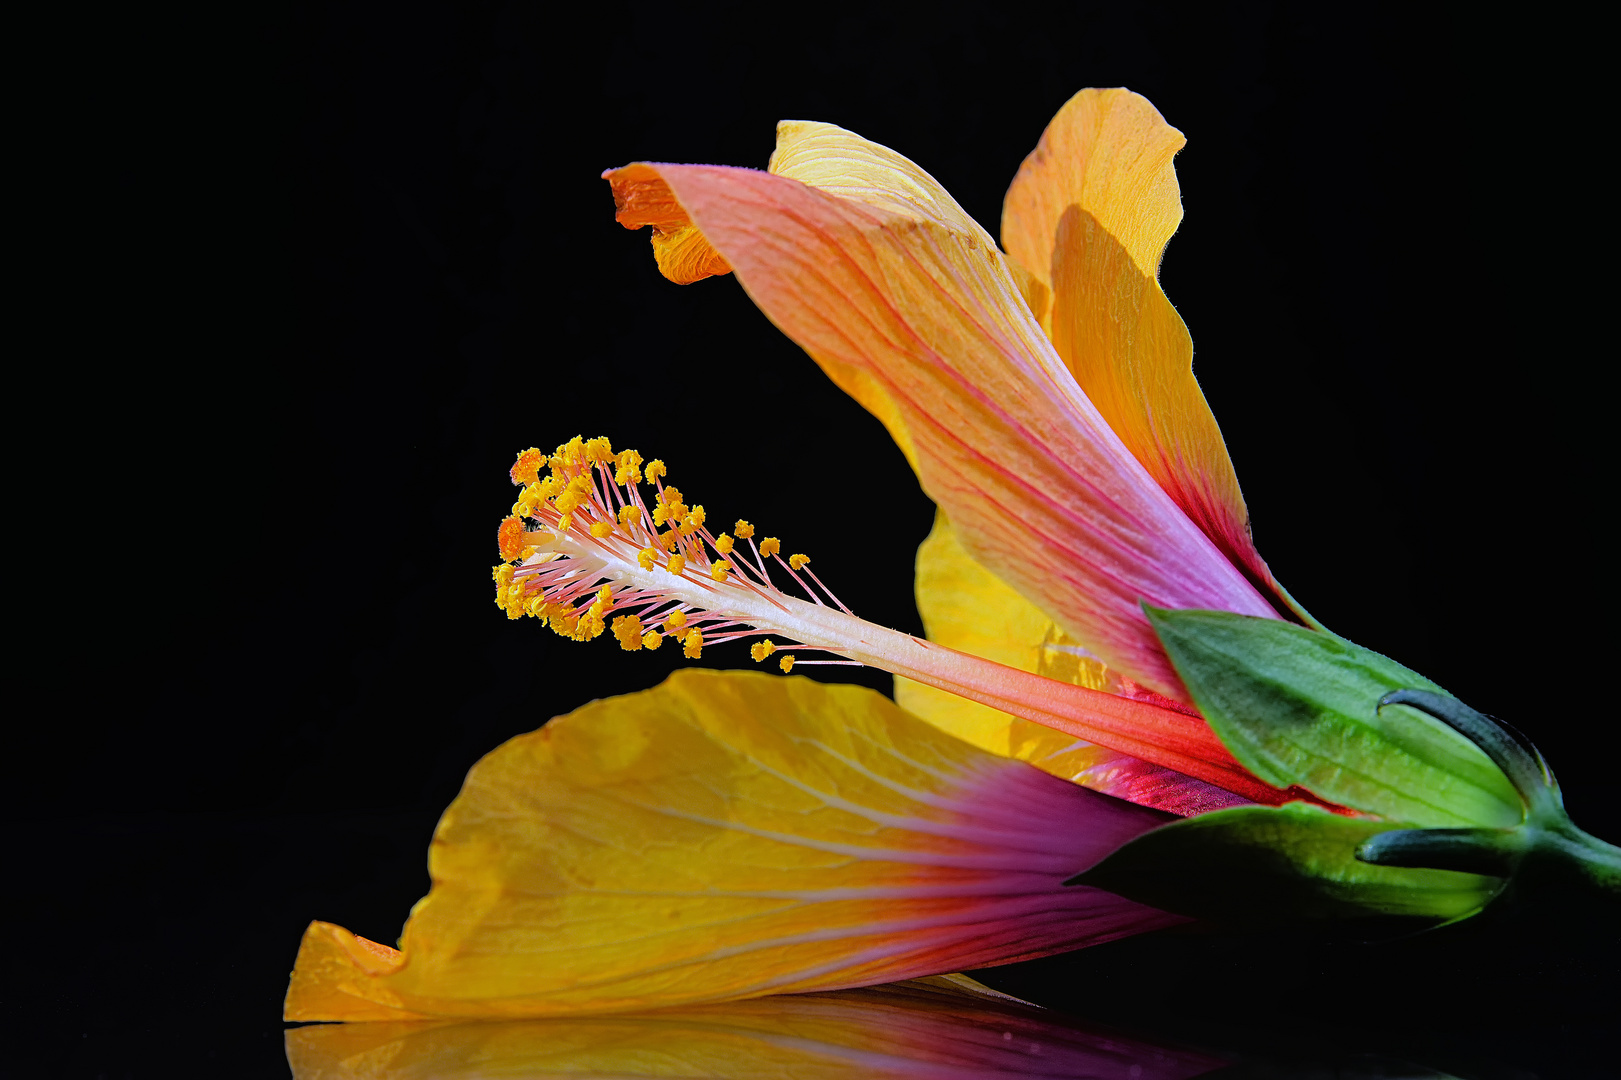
(924, 324)
(683, 255)
(915, 1029)
(727, 835)
(1088, 217)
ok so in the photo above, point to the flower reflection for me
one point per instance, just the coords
(933, 1027)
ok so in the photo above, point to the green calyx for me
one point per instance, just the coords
(1546, 842)
(1443, 804)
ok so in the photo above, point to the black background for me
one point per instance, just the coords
(342, 262)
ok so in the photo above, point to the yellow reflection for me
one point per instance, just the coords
(926, 1027)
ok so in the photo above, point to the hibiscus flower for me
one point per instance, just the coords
(735, 834)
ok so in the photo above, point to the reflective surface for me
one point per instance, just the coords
(909, 1029)
(1526, 991)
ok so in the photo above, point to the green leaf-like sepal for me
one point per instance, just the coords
(1265, 864)
(1299, 706)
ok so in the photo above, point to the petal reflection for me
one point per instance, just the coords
(915, 1029)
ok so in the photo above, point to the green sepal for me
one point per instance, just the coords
(1263, 864)
(1301, 707)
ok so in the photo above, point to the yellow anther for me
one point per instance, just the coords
(571, 453)
(743, 529)
(770, 546)
(605, 595)
(693, 647)
(526, 552)
(602, 529)
(590, 625)
(514, 602)
(628, 514)
(798, 561)
(503, 588)
(528, 466)
(786, 663)
(549, 487)
(660, 514)
(723, 544)
(647, 557)
(762, 649)
(676, 564)
(628, 629)
(536, 606)
(670, 496)
(720, 569)
(656, 470)
(582, 484)
(652, 640)
(668, 539)
(531, 498)
(564, 522)
(675, 620)
(599, 450)
(629, 469)
(569, 501)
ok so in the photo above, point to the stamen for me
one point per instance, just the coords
(572, 579)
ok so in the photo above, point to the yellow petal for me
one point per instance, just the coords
(1108, 152)
(920, 1028)
(1088, 217)
(923, 321)
(966, 607)
(842, 163)
(726, 835)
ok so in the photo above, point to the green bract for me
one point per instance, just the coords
(1299, 706)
